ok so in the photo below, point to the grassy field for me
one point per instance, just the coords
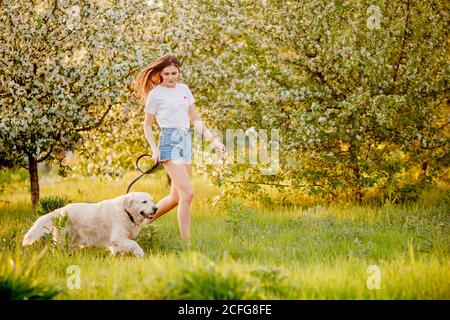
(240, 250)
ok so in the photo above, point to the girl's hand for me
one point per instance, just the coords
(219, 147)
(155, 155)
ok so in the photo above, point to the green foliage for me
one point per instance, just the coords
(358, 90)
(75, 64)
(410, 192)
(306, 252)
(50, 203)
(237, 216)
(407, 192)
(18, 279)
(60, 241)
(9, 242)
(13, 176)
(147, 236)
(271, 278)
(205, 280)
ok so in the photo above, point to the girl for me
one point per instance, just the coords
(172, 103)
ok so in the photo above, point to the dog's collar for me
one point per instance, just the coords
(129, 215)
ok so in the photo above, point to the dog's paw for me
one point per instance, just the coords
(139, 252)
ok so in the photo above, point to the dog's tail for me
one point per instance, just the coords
(42, 226)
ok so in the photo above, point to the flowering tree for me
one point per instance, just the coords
(64, 67)
(357, 90)
(363, 88)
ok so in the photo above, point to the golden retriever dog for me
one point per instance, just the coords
(110, 223)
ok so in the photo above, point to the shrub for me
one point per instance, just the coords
(18, 280)
(410, 192)
(146, 237)
(50, 203)
(237, 216)
(211, 282)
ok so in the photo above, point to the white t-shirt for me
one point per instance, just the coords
(170, 105)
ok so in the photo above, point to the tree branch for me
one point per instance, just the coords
(47, 155)
(394, 79)
(97, 124)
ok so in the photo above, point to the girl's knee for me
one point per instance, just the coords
(187, 196)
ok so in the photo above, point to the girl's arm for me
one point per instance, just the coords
(200, 126)
(148, 131)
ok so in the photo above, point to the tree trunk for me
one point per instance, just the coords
(34, 180)
(357, 178)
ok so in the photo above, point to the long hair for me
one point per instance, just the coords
(149, 77)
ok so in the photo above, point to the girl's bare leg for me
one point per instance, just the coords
(166, 204)
(181, 193)
(169, 202)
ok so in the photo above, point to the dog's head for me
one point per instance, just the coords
(140, 205)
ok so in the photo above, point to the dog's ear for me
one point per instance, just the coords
(126, 201)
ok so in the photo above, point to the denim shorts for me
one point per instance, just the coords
(175, 143)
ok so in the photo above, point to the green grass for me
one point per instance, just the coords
(243, 250)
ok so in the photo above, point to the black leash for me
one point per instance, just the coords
(139, 169)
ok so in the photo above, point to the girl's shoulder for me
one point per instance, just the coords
(182, 85)
(158, 87)
(154, 90)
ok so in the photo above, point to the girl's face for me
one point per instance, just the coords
(170, 76)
